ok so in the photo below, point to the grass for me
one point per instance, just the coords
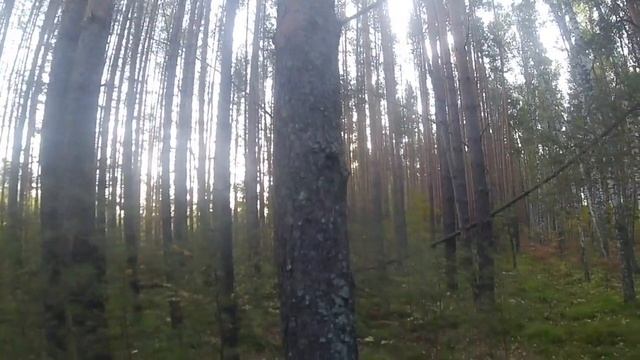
(545, 311)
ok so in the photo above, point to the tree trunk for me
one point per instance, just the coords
(173, 53)
(448, 199)
(130, 181)
(251, 165)
(375, 128)
(70, 247)
(222, 225)
(396, 133)
(485, 290)
(203, 203)
(101, 216)
(184, 125)
(316, 285)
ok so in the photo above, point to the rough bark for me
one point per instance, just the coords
(316, 286)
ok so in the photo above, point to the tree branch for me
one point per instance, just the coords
(361, 12)
(574, 159)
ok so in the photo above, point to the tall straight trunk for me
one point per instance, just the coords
(626, 248)
(101, 212)
(173, 52)
(485, 288)
(428, 150)
(457, 157)
(5, 20)
(448, 199)
(251, 164)
(396, 134)
(185, 125)
(362, 177)
(26, 176)
(222, 225)
(375, 128)
(13, 205)
(203, 203)
(68, 186)
(130, 181)
(316, 285)
(55, 244)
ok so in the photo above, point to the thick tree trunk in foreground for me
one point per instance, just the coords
(316, 286)
(222, 224)
(71, 249)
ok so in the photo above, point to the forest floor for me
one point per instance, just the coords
(546, 310)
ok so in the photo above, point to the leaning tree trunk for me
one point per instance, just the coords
(223, 222)
(316, 285)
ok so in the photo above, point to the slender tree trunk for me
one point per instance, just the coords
(375, 128)
(203, 203)
(222, 225)
(395, 123)
(173, 53)
(485, 290)
(626, 249)
(5, 20)
(251, 164)
(185, 125)
(101, 217)
(448, 198)
(13, 205)
(130, 181)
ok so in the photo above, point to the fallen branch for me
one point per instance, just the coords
(574, 159)
(380, 266)
(361, 12)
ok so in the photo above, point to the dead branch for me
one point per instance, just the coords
(571, 161)
(361, 12)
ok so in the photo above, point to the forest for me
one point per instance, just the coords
(319, 179)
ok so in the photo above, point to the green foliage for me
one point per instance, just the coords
(545, 309)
